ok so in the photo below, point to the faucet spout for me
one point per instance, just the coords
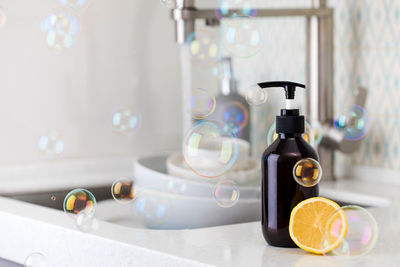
(184, 26)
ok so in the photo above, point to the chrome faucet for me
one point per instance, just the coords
(319, 53)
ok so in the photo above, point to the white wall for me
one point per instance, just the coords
(125, 55)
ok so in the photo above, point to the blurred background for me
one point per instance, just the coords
(124, 55)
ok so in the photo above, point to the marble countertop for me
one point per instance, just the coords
(27, 228)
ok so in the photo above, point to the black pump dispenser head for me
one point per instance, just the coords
(290, 121)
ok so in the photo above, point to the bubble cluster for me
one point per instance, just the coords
(202, 103)
(256, 96)
(210, 148)
(125, 121)
(203, 46)
(36, 260)
(235, 116)
(243, 7)
(60, 28)
(354, 124)
(307, 172)
(80, 200)
(226, 193)
(242, 37)
(362, 231)
(123, 190)
(52, 144)
(152, 207)
(75, 4)
(309, 134)
(3, 18)
(86, 222)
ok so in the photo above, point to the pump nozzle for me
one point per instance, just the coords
(290, 89)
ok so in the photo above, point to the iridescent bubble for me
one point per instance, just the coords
(125, 121)
(202, 103)
(86, 222)
(3, 18)
(52, 144)
(354, 124)
(210, 149)
(307, 172)
(316, 128)
(60, 28)
(123, 190)
(80, 200)
(244, 8)
(308, 135)
(75, 4)
(235, 112)
(152, 207)
(226, 193)
(232, 127)
(203, 46)
(242, 37)
(362, 231)
(256, 96)
(36, 260)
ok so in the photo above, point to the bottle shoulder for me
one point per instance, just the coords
(291, 148)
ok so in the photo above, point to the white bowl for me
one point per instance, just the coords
(250, 172)
(180, 212)
(210, 156)
(151, 171)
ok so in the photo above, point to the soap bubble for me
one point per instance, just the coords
(354, 124)
(52, 144)
(86, 222)
(234, 112)
(60, 28)
(202, 103)
(307, 172)
(362, 231)
(256, 96)
(36, 260)
(316, 128)
(123, 190)
(152, 207)
(308, 135)
(75, 4)
(80, 200)
(226, 193)
(203, 46)
(244, 7)
(242, 37)
(125, 121)
(3, 18)
(209, 148)
(233, 127)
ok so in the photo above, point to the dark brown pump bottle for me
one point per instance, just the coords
(280, 192)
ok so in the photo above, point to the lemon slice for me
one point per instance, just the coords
(309, 221)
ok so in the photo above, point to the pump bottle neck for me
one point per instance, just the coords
(289, 135)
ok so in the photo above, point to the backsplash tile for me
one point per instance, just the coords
(367, 53)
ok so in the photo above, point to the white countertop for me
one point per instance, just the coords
(27, 228)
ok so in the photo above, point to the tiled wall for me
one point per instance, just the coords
(367, 53)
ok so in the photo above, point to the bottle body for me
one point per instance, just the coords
(280, 192)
